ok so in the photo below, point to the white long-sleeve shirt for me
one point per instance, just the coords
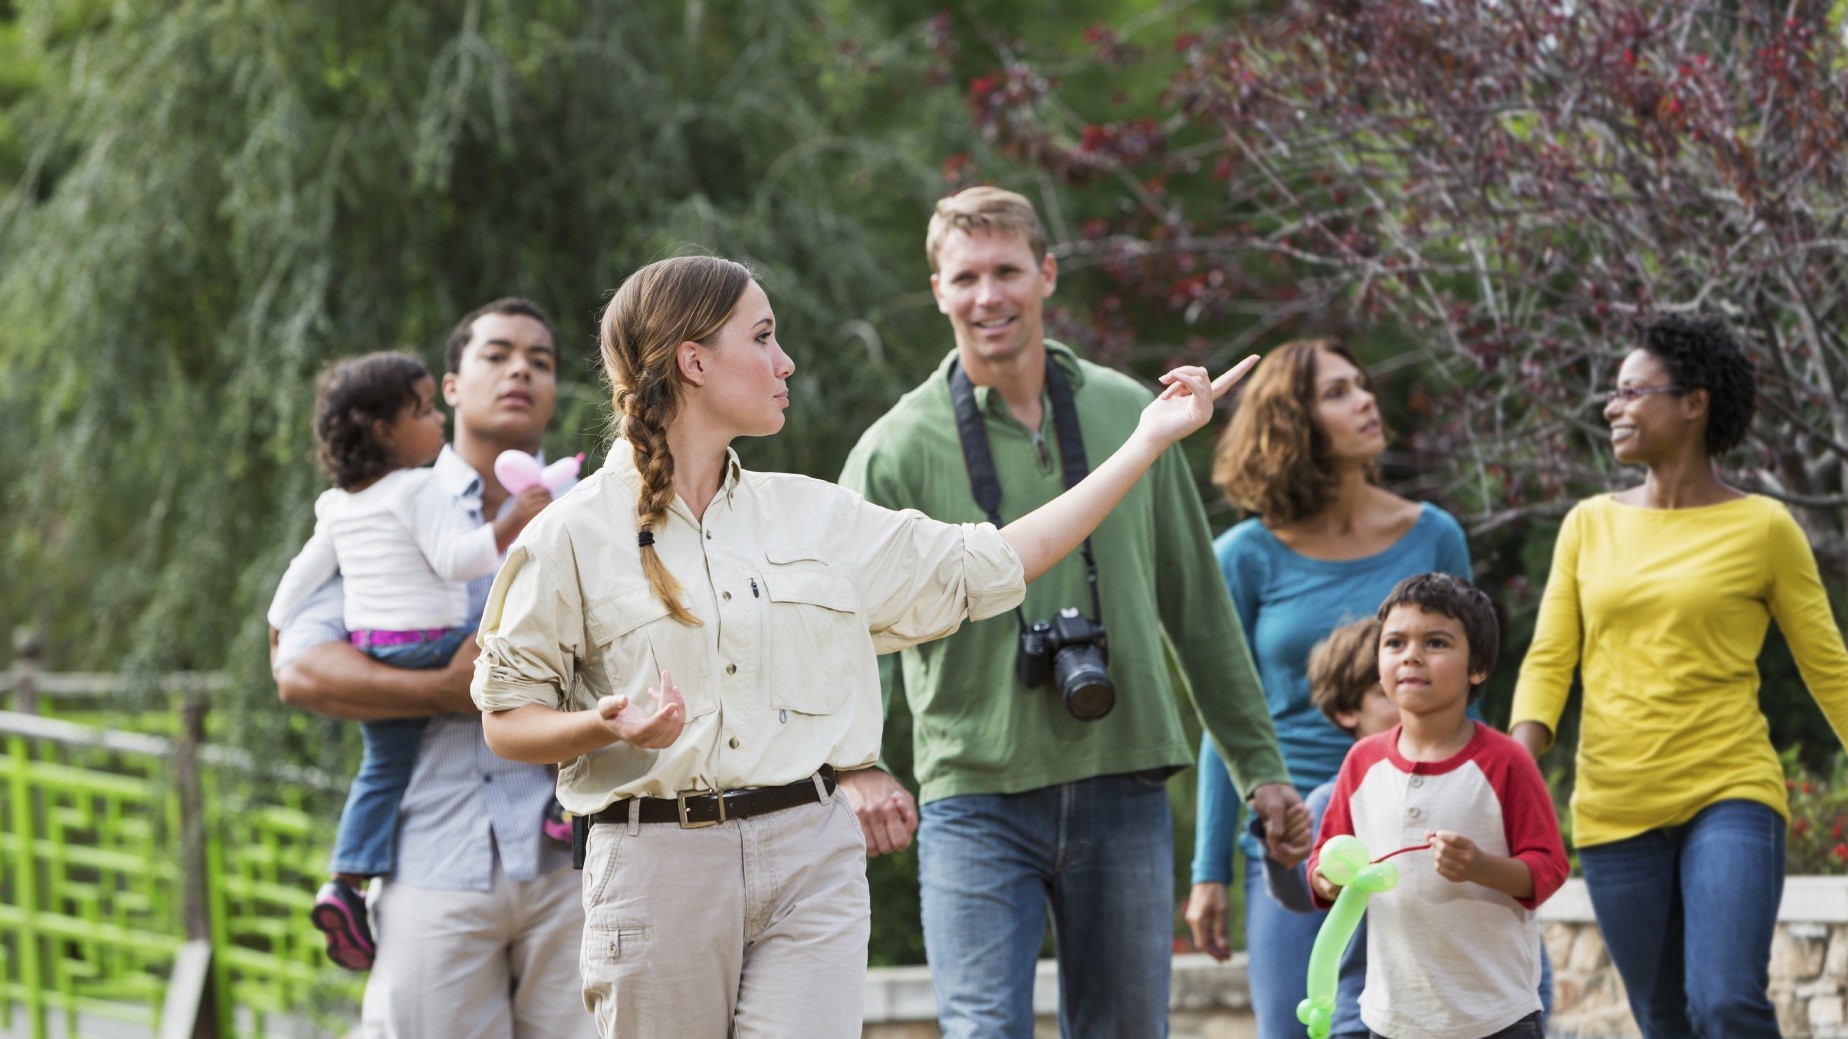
(404, 550)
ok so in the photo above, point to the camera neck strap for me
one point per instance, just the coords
(983, 480)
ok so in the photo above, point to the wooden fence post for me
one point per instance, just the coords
(27, 647)
(191, 1007)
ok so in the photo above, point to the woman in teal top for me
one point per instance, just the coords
(1324, 547)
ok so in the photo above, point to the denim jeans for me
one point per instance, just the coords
(364, 843)
(1687, 913)
(1099, 854)
(1277, 945)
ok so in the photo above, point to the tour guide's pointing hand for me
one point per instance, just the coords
(658, 730)
(1187, 402)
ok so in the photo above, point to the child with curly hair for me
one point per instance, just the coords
(404, 550)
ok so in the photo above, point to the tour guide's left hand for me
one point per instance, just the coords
(1285, 838)
(653, 732)
(1187, 402)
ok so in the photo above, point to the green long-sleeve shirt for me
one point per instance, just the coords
(977, 730)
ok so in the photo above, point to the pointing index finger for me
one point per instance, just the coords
(1231, 378)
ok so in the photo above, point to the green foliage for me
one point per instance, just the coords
(216, 199)
(202, 203)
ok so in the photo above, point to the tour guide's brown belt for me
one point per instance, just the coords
(693, 811)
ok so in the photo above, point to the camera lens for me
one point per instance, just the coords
(1084, 682)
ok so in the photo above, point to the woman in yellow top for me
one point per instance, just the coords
(1659, 595)
(695, 643)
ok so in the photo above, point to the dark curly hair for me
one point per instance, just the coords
(512, 306)
(350, 399)
(1462, 602)
(1700, 354)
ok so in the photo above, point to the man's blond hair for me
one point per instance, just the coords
(993, 210)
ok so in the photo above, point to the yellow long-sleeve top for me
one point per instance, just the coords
(1664, 613)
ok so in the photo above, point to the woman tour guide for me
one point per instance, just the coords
(695, 643)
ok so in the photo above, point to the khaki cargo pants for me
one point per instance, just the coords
(751, 928)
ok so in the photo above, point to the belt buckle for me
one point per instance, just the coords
(680, 801)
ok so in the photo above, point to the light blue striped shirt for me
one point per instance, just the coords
(465, 804)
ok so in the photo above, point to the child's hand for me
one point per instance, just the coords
(526, 504)
(653, 732)
(1300, 820)
(529, 502)
(1325, 889)
(1455, 855)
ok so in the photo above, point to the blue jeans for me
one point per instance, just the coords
(1099, 854)
(1277, 945)
(365, 843)
(1687, 913)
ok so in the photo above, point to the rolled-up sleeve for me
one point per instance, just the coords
(531, 636)
(919, 579)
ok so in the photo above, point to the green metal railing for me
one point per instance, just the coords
(97, 901)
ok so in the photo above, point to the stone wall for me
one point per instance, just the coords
(1809, 965)
(1809, 979)
(1208, 1000)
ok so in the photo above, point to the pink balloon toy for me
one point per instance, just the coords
(517, 470)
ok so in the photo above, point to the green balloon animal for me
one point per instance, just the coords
(1345, 862)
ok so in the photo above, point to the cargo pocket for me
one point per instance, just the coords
(814, 633)
(633, 639)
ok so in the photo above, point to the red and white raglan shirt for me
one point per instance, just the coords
(1448, 960)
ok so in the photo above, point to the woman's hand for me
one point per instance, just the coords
(1206, 917)
(1187, 402)
(653, 732)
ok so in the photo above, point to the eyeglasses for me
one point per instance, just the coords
(1629, 394)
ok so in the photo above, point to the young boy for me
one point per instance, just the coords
(1454, 951)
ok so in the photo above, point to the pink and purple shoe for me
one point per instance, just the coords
(340, 913)
(557, 824)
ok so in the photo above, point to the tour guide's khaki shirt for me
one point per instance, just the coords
(798, 584)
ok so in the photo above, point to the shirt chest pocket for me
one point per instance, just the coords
(632, 638)
(813, 634)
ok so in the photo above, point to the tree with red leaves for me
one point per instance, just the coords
(1504, 186)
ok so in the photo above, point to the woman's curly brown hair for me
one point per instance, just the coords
(350, 399)
(1272, 459)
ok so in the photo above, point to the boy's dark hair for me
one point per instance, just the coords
(1700, 354)
(1343, 667)
(1460, 601)
(350, 398)
(465, 328)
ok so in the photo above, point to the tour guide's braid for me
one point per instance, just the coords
(661, 306)
(645, 426)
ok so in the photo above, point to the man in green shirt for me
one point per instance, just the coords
(1027, 808)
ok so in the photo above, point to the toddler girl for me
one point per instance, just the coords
(403, 548)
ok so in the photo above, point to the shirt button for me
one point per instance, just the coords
(731, 669)
(734, 743)
(709, 535)
(487, 779)
(1418, 781)
(1412, 812)
(726, 596)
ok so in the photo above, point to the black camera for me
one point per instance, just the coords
(1070, 649)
